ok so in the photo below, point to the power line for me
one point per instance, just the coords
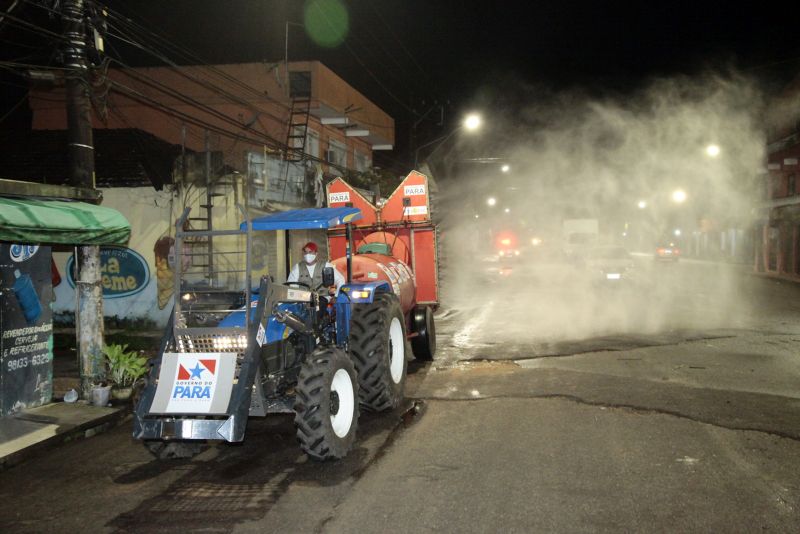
(124, 25)
(222, 92)
(369, 71)
(396, 38)
(189, 55)
(197, 104)
(13, 108)
(34, 28)
(387, 68)
(144, 99)
(27, 66)
(8, 11)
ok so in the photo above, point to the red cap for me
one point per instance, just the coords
(310, 246)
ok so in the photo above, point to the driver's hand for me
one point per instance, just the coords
(332, 290)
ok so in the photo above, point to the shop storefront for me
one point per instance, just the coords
(28, 229)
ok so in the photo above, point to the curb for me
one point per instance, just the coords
(63, 433)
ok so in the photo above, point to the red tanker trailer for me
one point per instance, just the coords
(395, 242)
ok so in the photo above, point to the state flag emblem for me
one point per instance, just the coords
(196, 372)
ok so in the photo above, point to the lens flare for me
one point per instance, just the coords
(326, 22)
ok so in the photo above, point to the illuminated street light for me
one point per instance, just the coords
(679, 195)
(491, 201)
(712, 151)
(507, 210)
(505, 168)
(477, 216)
(472, 122)
(677, 232)
(642, 204)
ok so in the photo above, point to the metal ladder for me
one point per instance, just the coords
(201, 245)
(296, 135)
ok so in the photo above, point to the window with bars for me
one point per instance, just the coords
(312, 143)
(337, 153)
(361, 161)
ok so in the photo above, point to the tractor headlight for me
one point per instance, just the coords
(228, 343)
(360, 294)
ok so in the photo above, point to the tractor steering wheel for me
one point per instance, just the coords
(301, 284)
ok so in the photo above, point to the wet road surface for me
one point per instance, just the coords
(551, 406)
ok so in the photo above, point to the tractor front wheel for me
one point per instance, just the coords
(326, 404)
(377, 345)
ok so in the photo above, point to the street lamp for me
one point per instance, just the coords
(505, 168)
(712, 150)
(642, 204)
(679, 196)
(507, 210)
(491, 201)
(471, 123)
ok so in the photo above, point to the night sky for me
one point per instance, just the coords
(407, 55)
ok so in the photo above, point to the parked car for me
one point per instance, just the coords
(609, 265)
(667, 252)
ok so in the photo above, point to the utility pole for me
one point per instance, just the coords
(89, 291)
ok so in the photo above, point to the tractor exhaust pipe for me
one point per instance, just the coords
(292, 321)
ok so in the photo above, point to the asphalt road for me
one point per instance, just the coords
(553, 405)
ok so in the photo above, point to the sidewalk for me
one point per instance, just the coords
(33, 431)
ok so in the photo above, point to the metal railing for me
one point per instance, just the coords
(200, 306)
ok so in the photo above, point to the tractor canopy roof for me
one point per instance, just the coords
(305, 219)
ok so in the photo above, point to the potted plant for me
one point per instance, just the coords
(125, 368)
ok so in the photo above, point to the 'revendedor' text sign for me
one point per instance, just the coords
(26, 327)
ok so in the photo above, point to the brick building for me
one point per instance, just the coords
(209, 138)
(778, 229)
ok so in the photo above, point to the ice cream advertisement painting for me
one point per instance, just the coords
(123, 272)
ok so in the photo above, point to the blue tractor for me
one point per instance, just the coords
(230, 353)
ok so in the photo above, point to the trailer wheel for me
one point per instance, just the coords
(424, 343)
(377, 345)
(174, 450)
(326, 404)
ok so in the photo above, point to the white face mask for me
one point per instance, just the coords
(310, 258)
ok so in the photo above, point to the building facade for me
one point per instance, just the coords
(258, 137)
(778, 229)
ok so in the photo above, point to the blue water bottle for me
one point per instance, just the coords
(27, 297)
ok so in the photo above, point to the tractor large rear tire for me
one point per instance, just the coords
(424, 343)
(378, 349)
(326, 404)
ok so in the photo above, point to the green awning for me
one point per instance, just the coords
(62, 222)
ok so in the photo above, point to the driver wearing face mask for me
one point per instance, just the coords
(309, 270)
